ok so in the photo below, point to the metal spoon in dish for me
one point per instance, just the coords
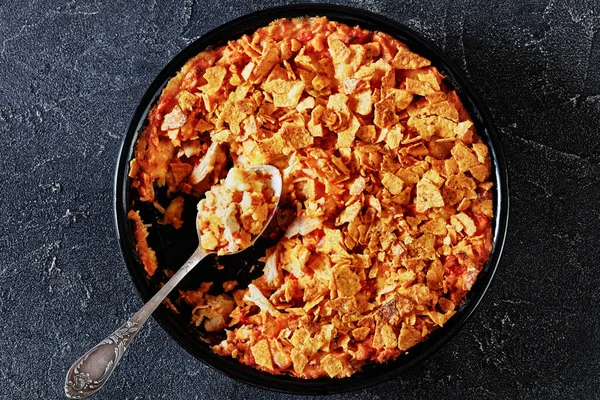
(88, 374)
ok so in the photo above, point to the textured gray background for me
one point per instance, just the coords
(71, 74)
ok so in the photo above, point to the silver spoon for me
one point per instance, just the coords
(88, 374)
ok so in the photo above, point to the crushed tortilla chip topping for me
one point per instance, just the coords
(385, 217)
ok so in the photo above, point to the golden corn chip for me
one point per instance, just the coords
(285, 94)
(423, 248)
(394, 137)
(452, 97)
(333, 366)
(268, 60)
(388, 81)
(247, 71)
(434, 177)
(402, 98)
(367, 133)
(204, 126)
(262, 354)
(418, 87)
(464, 132)
(480, 172)
(456, 224)
(484, 207)
(361, 102)
(451, 167)
(464, 157)
(481, 151)
(314, 288)
(214, 77)
(384, 336)
(444, 109)
(408, 176)
(361, 333)
(417, 150)
(344, 305)
(186, 100)
(299, 361)
(446, 304)
(359, 56)
(467, 222)
(463, 205)
(295, 137)
(434, 226)
(373, 70)
(308, 103)
(385, 114)
(406, 59)
(439, 318)
(357, 186)
(299, 337)
(349, 214)
(303, 225)
(351, 85)
(332, 242)
(435, 275)
(320, 82)
(340, 53)
(180, 171)
(347, 282)
(429, 75)
(428, 196)
(452, 196)
(311, 346)
(338, 102)
(392, 183)
(486, 185)
(346, 137)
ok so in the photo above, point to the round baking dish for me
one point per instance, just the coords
(173, 248)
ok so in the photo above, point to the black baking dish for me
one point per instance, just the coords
(173, 247)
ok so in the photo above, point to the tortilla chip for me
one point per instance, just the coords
(285, 94)
(464, 157)
(268, 60)
(346, 137)
(406, 59)
(214, 77)
(435, 275)
(333, 366)
(347, 282)
(428, 196)
(385, 113)
(349, 214)
(367, 133)
(262, 354)
(299, 361)
(392, 183)
(417, 87)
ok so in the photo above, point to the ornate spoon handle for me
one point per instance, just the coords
(88, 374)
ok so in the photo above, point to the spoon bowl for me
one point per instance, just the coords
(275, 182)
(91, 372)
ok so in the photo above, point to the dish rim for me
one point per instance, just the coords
(372, 374)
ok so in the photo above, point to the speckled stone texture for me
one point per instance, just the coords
(71, 74)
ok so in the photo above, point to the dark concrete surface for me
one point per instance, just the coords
(71, 74)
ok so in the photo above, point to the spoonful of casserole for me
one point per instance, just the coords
(231, 217)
